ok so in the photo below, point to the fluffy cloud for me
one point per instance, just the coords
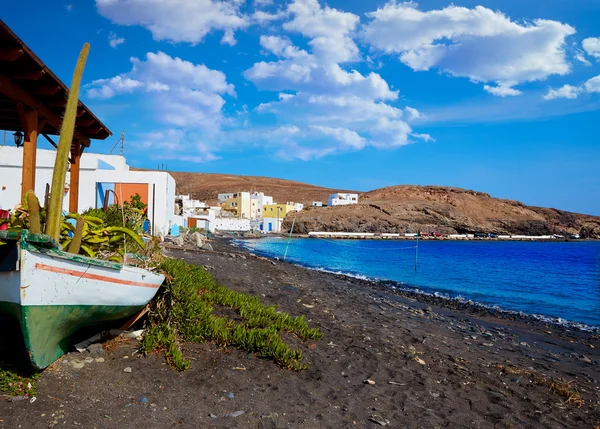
(331, 107)
(114, 40)
(591, 46)
(571, 92)
(177, 20)
(177, 93)
(166, 145)
(593, 84)
(478, 43)
(504, 89)
(343, 135)
(567, 91)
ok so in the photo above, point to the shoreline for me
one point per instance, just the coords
(445, 300)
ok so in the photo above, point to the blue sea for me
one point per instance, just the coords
(554, 279)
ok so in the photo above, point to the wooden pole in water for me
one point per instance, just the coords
(417, 252)
(289, 238)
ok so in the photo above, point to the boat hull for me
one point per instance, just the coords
(53, 294)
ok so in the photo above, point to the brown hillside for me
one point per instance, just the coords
(206, 186)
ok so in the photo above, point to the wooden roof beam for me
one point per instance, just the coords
(85, 122)
(92, 130)
(10, 54)
(37, 75)
(46, 90)
(8, 88)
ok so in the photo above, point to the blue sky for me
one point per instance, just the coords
(498, 96)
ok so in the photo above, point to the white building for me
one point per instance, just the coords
(222, 198)
(317, 204)
(100, 176)
(190, 205)
(257, 201)
(298, 206)
(341, 199)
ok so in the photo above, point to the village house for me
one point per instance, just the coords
(274, 215)
(341, 199)
(103, 179)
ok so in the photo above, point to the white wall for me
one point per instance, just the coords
(221, 198)
(231, 224)
(273, 222)
(162, 211)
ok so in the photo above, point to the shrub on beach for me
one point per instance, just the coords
(184, 311)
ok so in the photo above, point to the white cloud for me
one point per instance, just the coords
(591, 45)
(262, 17)
(333, 107)
(424, 137)
(566, 91)
(478, 43)
(262, 3)
(107, 88)
(571, 92)
(579, 56)
(68, 8)
(502, 90)
(115, 41)
(177, 20)
(167, 145)
(412, 113)
(178, 92)
(343, 135)
(593, 84)
(329, 30)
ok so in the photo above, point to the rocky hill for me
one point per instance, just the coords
(398, 208)
(442, 209)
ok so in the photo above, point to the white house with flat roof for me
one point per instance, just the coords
(342, 199)
(100, 177)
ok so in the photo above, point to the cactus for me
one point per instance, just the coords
(64, 145)
(75, 244)
(33, 207)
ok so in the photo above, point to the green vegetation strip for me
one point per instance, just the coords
(16, 385)
(184, 311)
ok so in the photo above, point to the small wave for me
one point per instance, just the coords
(400, 286)
(558, 321)
(339, 273)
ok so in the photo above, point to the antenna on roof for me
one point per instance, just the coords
(122, 141)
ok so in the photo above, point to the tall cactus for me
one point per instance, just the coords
(67, 130)
(33, 208)
(75, 245)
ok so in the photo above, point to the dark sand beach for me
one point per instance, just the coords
(430, 363)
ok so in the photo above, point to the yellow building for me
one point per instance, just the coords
(238, 204)
(278, 210)
(274, 214)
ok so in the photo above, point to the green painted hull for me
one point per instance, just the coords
(47, 330)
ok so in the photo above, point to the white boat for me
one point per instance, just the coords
(53, 294)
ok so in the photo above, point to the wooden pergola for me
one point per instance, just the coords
(32, 101)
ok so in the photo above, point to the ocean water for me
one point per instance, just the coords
(555, 279)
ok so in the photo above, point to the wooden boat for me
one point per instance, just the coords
(53, 294)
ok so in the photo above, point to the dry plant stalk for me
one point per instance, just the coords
(558, 387)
